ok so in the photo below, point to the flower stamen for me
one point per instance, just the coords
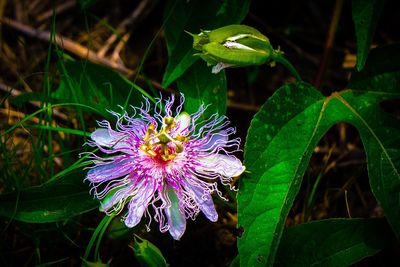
(156, 144)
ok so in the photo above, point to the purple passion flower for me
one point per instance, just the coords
(169, 161)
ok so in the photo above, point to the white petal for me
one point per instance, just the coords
(176, 220)
(138, 204)
(182, 122)
(218, 138)
(109, 138)
(238, 46)
(205, 202)
(220, 66)
(228, 166)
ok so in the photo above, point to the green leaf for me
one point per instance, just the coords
(381, 71)
(118, 230)
(380, 134)
(279, 145)
(50, 202)
(366, 14)
(200, 86)
(333, 242)
(96, 86)
(193, 16)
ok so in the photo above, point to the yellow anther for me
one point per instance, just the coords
(150, 130)
(147, 149)
(179, 148)
(168, 120)
(182, 138)
(156, 143)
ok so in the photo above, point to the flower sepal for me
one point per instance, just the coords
(147, 254)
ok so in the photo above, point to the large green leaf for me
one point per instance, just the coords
(200, 86)
(333, 242)
(279, 145)
(366, 14)
(49, 202)
(380, 132)
(192, 16)
(95, 86)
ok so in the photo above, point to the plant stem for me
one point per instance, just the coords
(278, 57)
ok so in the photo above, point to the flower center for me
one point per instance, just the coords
(161, 145)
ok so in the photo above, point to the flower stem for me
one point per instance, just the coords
(278, 57)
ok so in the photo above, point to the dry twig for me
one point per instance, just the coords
(58, 10)
(16, 92)
(140, 12)
(66, 44)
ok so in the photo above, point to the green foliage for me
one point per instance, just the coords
(96, 86)
(276, 158)
(381, 72)
(333, 242)
(192, 16)
(86, 4)
(200, 86)
(147, 254)
(98, 263)
(50, 202)
(279, 145)
(380, 132)
(366, 15)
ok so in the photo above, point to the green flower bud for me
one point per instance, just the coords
(147, 254)
(233, 46)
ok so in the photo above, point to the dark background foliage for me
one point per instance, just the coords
(30, 70)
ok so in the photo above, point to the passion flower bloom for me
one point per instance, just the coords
(163, 163)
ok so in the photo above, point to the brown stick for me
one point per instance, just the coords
(144, 7)
(66, 44)
(329, 43)
(15, 92)
(58, 10)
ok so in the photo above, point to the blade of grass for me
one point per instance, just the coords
(41, 110)
(103, 230)
(59, 129)
(97, 231)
